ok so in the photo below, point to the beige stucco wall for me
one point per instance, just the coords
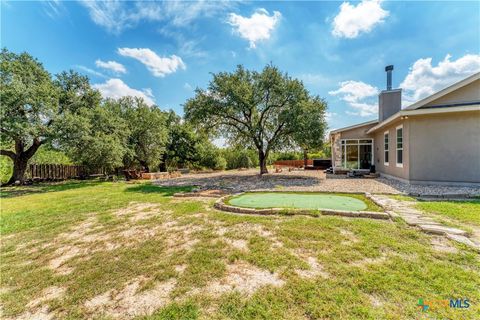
(445, 147)
(392, 169)
(468, 93)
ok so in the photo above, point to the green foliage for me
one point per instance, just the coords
(209, 156)
(29, 99)
(91, 132)
(310, 126)
(249, 108)
(287, 155)
(100, 137)
(237, 157)
(6, 169)
(29, 107)
(148, 132)
(187, 148)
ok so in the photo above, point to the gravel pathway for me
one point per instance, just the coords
(237, 181)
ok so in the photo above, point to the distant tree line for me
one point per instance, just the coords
(62, 118)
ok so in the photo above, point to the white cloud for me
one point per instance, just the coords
(116, 88)
(330, 115)
(111, 65)
(158, 66)
(363, 109)
(353, 20)
(54, 8)
(424, 79)
(182, 13)
(116, 15)
(256, 28)
(358, 95)
(91, 71)
(354, 91)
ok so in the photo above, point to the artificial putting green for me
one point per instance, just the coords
(297, 200)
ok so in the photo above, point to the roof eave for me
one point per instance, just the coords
(415, 112)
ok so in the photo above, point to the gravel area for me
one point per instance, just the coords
(431, 190)
(237, 181)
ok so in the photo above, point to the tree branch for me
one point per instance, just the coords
(8, 153)
(33, 148)
(274, 136)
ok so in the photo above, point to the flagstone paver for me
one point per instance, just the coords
(415, 217)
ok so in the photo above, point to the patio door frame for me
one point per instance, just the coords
(343, 143)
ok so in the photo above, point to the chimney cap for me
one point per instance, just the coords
(389, 68)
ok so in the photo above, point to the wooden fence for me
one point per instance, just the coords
(54, 171)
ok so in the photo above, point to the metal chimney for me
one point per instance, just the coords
(389, 70)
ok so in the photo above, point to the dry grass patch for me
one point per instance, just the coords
(441, 244)
(130, 301)
(136, 252)
(244, 278)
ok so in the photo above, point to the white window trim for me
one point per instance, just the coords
(399, 165)
(343, 145)
(384, 134)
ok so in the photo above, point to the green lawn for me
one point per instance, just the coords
(461, 211)
(118, 250)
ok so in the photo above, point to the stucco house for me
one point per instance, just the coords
(433, 141)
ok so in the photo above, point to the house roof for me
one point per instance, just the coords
(359, 125)
(443, 92)
(420, 107)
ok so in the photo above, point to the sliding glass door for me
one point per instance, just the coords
(357, 153)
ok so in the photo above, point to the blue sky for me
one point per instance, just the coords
(163, 50)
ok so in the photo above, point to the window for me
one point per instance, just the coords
(357, 153)
(400, 146)
(385, 148)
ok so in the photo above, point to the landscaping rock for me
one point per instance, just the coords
(438, 229)
(415, 217)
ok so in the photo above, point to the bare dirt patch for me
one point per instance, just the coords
(376, 301)
(239, 244)
(42, 313)
(47, 294)
(38, 308)
(244, 278)
(130, 301)
(89, 237)
(315, 269)
(349, 237)
(138, 211)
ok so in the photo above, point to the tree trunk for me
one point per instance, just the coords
(20, 159)
(144, 164)
(163, 163)
(19, 167)
(262, 157)
(305, 158)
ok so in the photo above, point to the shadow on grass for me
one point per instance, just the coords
(17, 191)
(165, 191)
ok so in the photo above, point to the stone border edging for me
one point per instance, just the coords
(193, 195)
(221, 205)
